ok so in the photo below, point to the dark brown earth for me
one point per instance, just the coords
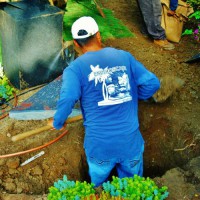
(171, 129)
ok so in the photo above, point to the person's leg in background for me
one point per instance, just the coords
(151, 13)
(143, 28)
(173, 6)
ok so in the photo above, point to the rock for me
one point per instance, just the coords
(9, 180)
(1, 172)
(45, 166)
(2, 162)
(37, 170)
(13, 163)
(17, 197)
(19, 190)
(177, 185)
(11, 187)
(193, 167)
(62, 161)
(13, 171)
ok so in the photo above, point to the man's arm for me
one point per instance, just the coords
(147, 82)
(69, 95)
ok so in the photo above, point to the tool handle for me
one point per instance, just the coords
(44, 128)
(99, 9)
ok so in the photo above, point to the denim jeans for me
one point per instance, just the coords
(173, 4)
(99, 170)
(151, 13)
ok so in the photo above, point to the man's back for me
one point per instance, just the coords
(108, 87)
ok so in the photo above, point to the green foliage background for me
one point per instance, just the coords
(110, 26)
(132, 188)
(194, 3)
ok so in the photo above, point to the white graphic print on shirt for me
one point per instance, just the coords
(115, 84)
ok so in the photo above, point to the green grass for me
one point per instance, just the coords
(110, 26)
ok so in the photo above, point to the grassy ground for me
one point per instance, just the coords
(110, 27)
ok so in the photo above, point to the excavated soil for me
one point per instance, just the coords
(171, 129)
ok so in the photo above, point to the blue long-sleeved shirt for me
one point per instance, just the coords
(108, 84)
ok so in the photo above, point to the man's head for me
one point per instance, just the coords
(84, 27)
(84, 30)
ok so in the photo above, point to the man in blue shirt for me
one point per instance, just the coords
(108, 82)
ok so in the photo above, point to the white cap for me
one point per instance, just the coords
(84, 23)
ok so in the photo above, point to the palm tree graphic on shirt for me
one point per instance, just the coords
(115, 84)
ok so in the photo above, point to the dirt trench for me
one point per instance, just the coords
(171, 129)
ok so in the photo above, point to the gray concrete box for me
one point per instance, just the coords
(31, 37)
